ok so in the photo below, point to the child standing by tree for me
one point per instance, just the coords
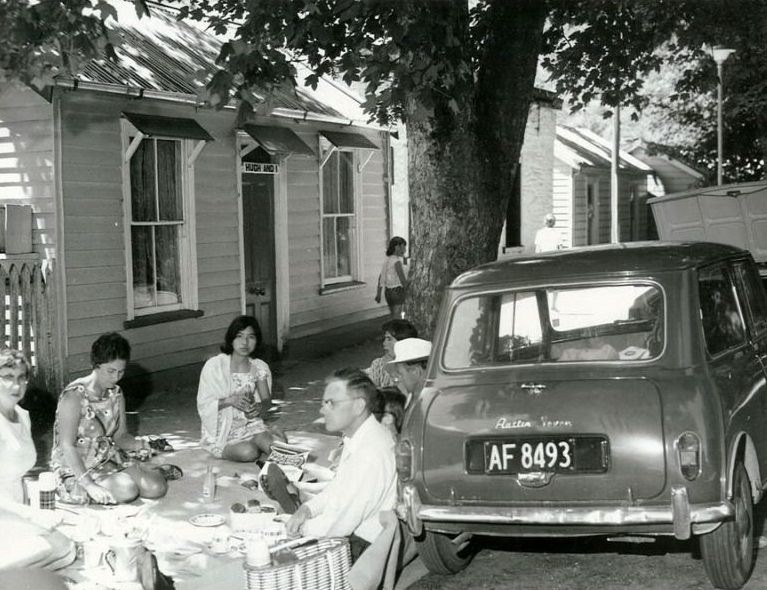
(392, 279)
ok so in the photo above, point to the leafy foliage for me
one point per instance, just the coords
(412, 50)
(606, 51)
(48, 38)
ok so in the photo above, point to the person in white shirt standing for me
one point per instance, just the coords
(365, 482)
(547, 238)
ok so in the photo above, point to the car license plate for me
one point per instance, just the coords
(558, 454)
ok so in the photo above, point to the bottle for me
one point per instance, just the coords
(30, 489)
(209, 483)
(47, 487)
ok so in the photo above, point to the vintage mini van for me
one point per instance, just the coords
(599, 391)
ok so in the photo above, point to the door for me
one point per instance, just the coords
(258, 238)
(592, 213)
(754, 305)
(735, 364)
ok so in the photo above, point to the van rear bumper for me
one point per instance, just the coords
(679, 515)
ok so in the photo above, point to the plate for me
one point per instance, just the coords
(207, 520)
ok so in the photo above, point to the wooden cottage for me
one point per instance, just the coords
(166, 219)
(581, 189)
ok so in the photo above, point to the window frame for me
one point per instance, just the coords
(730, 278)
(749, 279)
(535, 287)
(355, 232)
(187, 228)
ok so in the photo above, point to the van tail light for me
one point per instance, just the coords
(404, 458)
(688, 449)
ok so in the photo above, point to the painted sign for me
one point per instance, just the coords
(260, 168)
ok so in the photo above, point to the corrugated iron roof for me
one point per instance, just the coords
(162, 54)
(582, 147)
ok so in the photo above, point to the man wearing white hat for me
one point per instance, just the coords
(409, 362)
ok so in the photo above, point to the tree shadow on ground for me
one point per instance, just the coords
(41, 405)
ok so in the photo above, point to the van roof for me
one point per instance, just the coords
(605, 259)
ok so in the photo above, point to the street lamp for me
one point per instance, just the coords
(720, 54)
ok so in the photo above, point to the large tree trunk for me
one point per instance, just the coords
(462, 168)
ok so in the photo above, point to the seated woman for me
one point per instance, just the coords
(90, 436)
(34, 543)
(393, 330)
(233, 395)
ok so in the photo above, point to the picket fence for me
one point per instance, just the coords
(28, 292)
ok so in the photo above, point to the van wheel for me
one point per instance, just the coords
(445, 554)
(728, 551)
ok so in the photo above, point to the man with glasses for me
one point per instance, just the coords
(365, 482)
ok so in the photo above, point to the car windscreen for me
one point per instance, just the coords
(556, 325)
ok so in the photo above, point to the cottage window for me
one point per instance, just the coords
(158, 236)
(339, 218)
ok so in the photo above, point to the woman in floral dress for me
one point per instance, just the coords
(90, 437)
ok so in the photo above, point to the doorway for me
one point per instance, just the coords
(258, 190)
(592, 213)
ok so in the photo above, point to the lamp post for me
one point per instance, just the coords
(720, 54)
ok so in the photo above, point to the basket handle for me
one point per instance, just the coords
(331, 567)
(298, 584)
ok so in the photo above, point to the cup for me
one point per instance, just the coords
(274, 533)
(93, 553)
(32, 492)
(122, 558)
(257, 552)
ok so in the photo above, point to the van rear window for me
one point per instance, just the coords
(556, 325)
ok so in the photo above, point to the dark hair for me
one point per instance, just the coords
(238, 325)
(400, 329)
(357, 380)
(109, 347)
(393, 243)
(394, 404)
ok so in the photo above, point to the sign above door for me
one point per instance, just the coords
(260, 168)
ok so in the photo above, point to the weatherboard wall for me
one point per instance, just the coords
(93, 221)
(314, 309)
(27, 163)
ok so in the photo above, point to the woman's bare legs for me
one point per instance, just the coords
(151, 482)
(121, 485)
(247, 451)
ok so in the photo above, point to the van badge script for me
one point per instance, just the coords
(504, 423)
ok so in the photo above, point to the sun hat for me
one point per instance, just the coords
(410, 349)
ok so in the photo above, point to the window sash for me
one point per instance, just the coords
(157, 235)
(339, 218)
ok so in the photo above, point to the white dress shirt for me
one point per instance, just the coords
(365, 483)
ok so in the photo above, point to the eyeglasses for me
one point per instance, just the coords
(330, 404)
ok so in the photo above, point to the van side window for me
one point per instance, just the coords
(753, 295)
(719, 311)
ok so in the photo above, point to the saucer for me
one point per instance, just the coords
(207, 519)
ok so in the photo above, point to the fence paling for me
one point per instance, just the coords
(13, 307)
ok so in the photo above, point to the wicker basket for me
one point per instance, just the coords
(323, 565)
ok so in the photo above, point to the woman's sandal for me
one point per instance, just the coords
(274, 483)
(159, 444)
(169, 471)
